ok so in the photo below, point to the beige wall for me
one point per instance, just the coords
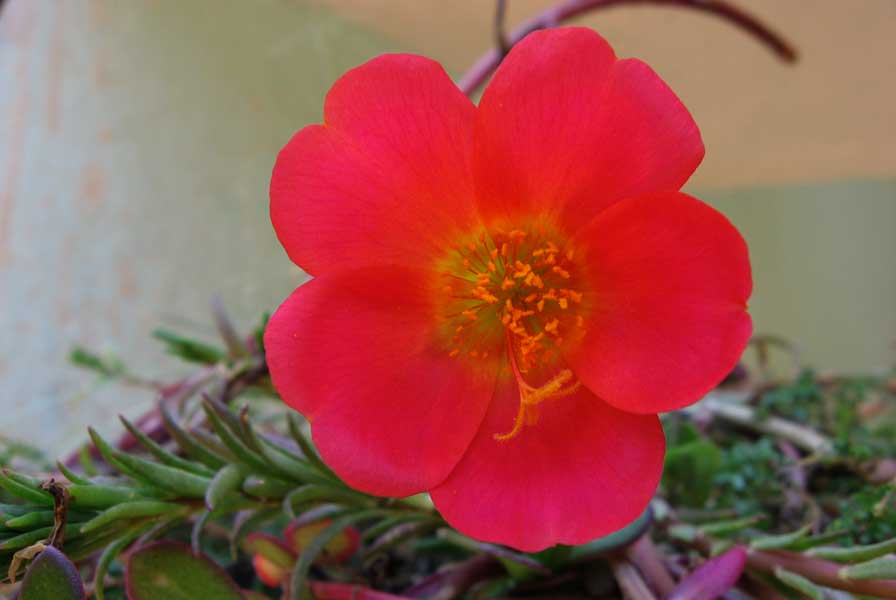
(831, 117)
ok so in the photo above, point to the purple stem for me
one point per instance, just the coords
(820, 571)
(645, 556)
(630, 581)
(477, 75)
(454, 581)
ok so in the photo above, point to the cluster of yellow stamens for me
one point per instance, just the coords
(514, 290)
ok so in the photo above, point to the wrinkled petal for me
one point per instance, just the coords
(354, 351)
(387, 179)
(671, 278)
(565, 127)
(583, 471)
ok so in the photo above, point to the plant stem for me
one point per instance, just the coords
(799, 435)
(819, 571)
(488, 62)
(630, 581)
(645, 556)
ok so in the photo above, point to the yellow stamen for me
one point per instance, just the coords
(531, 397)
(521, 282)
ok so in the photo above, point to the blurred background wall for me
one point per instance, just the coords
(137, 138)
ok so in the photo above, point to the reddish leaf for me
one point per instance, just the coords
(338, 550)
(713, 578)
(52, 575)
(269, 572)
(345, 591)
(271, 548)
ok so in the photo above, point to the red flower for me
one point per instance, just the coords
(504, 296)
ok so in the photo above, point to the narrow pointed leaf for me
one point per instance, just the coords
(225, 482)
(24, 540)
(43, 518)
(103, 496)
(187, 443)
(730, 526)
(85, 459)
(778, 542)
(799, 583)
(818, 540)
(71, 475)
(227, 416)
(212, 443)
(310, 493)
(235, 346)
(132, 510)
(878, 568)
(289, 464)
(269, 488)
(183, 483)
(188, 349)
(30, 494)
(854, 553)
(295, 430)
(233, 441)
(9, 511)
(163, 455)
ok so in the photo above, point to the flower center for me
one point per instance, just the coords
(514, 291)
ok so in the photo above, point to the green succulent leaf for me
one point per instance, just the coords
(171, 571)
(690, 469)
(188, 349)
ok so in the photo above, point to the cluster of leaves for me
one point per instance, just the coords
(218, 492)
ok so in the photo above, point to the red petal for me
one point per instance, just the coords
(387, 179)
(355, 352)
(671, 278)
(565, 127)
(582, 471)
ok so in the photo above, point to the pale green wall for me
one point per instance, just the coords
(824, 264)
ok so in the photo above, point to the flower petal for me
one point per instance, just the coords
(387, 179)
(671, 278)
(583, 471)
(565, 127)
(355, 352)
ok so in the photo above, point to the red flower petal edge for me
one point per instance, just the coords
(504, 295)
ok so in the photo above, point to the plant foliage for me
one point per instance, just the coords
(219, 487)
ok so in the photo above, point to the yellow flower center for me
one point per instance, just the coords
(516, 291)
